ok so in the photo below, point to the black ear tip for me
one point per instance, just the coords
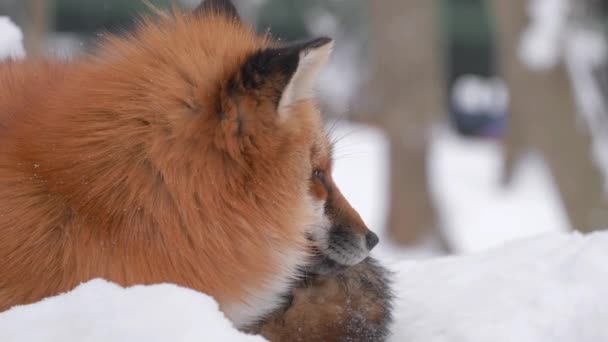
(319, 42)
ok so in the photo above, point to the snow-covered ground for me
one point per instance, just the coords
(99, 311)
(550, 288)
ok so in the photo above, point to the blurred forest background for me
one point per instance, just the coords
(442, 81)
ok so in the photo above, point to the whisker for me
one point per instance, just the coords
(336, 121)
(348, 155)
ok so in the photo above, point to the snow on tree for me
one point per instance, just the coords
(11, 40)
(100, 311)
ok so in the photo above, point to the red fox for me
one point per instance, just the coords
(190, 151)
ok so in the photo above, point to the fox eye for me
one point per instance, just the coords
(320, 176)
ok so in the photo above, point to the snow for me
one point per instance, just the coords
(549, 288)
(474, 94)
(11, 38)
(542, 42)
(100, 311)
(477, 211)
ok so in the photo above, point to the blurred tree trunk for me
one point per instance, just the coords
(408, 95)
(544, 117)
(37, 25)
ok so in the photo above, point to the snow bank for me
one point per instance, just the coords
(99, 311)
(11, 38)
(549, 288)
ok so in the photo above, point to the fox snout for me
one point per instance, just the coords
(371, 239)
(348, 247)
(347, 241)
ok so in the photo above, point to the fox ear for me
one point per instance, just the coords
(290, 72)
(223, 7)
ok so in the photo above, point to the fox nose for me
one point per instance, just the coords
(371, 240)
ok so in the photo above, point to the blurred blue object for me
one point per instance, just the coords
(478, 106)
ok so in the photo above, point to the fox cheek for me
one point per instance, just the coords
(319, 191)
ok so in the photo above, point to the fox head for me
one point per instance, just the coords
(272, 93)
(276, 84)
(283, 79)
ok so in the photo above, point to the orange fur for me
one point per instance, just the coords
(120, 167)
(151, 162)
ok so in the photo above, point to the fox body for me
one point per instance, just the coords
(189, 152)
(353, 305)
